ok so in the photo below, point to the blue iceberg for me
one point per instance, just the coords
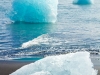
(83, 2)
(34, 11)
(69, 64)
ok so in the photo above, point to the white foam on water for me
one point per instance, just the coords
(78, 63)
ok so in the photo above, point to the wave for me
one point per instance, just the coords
(56, 43)
(51, 44)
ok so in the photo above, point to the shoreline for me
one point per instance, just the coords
(9, 66)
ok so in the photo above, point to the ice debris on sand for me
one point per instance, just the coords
(78, 63)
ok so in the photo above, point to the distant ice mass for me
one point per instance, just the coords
(34, 11)
(78, 63)
(83, 2)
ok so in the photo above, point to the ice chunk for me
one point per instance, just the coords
(70, 64)
(45, 39)
(34, 11)
(83, 2)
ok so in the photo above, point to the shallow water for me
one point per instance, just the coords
(77, 28)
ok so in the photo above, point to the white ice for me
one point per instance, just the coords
(45, 39)
(69, 64)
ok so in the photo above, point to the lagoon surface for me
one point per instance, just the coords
(77, 28)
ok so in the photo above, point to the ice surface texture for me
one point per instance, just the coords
(70, 64)
(83, 2)
(34, 11)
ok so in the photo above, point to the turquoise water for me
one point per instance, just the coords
(13, 35)
(28, 59)
(77, 28)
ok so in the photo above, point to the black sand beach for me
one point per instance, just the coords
(7, 67)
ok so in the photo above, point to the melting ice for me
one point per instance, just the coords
(34, 11)
(70, 64)
(45, 39)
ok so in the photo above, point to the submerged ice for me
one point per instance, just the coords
(70, 64)
(82, 2)
(45, 39)
(34, 11)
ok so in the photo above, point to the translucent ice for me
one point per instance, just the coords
(45, 39)
(82, 2)
(70, 64)
(34, 11)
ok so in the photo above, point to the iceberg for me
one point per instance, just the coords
(83, 2)
(78, 63)
(34, 11)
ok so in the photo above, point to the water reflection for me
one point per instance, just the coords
(22, 32)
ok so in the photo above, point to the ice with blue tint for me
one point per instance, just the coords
(83, 2)
(69, 64)
(34, 11)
